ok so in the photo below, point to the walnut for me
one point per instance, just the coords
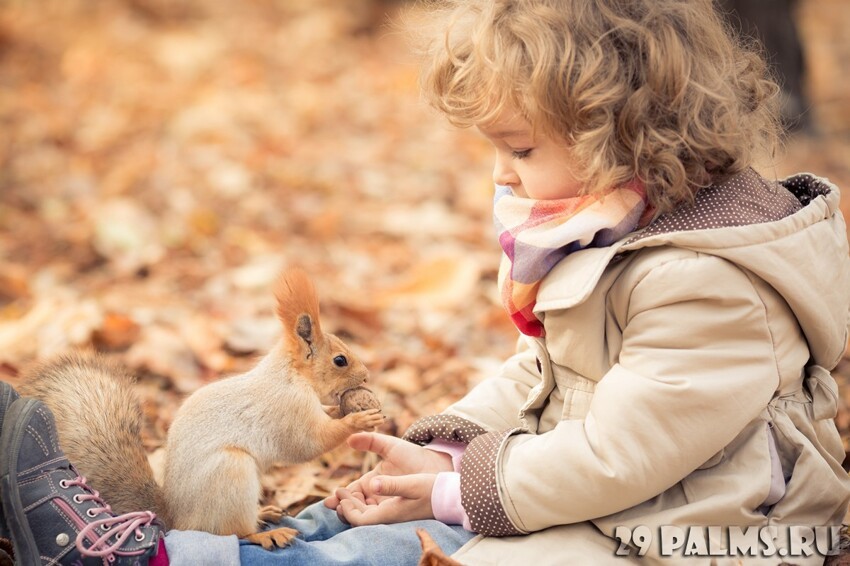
(358, 399)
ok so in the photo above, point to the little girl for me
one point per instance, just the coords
(678, 313)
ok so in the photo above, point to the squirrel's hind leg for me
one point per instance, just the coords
(280, 537)
(231, 484)
(276, 537)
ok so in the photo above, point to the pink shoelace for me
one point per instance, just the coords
(120, 526)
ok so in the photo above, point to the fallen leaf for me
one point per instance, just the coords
(117, 332)
(439, 283)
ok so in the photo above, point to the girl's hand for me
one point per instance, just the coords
(400, 457)
(398, 499)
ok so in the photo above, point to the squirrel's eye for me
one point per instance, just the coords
(340, 361)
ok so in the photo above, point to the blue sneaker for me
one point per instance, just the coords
(52, 515)
(7, 397)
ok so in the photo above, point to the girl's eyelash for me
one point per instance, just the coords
(520, 153)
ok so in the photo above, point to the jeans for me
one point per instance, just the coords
(323, 540)
(326, 540)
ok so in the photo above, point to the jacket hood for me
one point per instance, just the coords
(789, 233)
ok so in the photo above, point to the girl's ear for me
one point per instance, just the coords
(298, 311)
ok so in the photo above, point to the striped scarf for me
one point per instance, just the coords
(536, 234)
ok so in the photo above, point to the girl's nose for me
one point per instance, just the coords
(503, 172)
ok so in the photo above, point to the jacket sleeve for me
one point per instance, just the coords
(697, 364)
(492, 405)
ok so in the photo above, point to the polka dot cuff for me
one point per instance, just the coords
(444, 427)
(479, 488)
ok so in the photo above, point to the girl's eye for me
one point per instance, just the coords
(340, 361)
(520, 153)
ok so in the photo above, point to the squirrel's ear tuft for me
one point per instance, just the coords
(298, 310)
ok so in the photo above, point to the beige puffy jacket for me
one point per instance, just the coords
(684, 380)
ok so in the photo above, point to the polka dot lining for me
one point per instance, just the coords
(806, 187)
(744, 199)
(479, 487)
(444, 427)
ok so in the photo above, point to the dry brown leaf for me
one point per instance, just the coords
(405, 380)
(13, 282)
(54, 324)
(255, 334)
(126, 234)
(202, 335)
(117, 332)
(439, 283)
(160, 350)
(294, 484)
(432, 554)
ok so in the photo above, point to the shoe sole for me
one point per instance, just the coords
(26, 551)
(6, 393)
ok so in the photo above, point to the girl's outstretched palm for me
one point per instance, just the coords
(370, 501)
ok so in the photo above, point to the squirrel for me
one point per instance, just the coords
(224, 435)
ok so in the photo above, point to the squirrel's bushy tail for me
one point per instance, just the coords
(99, 422)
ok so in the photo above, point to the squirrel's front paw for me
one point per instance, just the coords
(365, 420)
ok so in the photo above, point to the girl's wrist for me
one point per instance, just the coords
(445, 500)
(451, 451)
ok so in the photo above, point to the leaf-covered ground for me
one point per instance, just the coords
(160, 161)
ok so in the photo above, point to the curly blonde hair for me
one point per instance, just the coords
(655, 90)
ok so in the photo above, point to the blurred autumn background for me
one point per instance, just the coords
(162, 160)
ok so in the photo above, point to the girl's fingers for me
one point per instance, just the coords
(345, 511)
(340, 515)
(392, 510)
(413, 486)
(332, 501)
(342, 494)
(354, 511)
(380, 444)
(357, 513)
(354, 503)
(358, 488)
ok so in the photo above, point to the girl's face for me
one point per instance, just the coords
(537, 167)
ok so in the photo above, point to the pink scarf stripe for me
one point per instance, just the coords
(536, 234)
